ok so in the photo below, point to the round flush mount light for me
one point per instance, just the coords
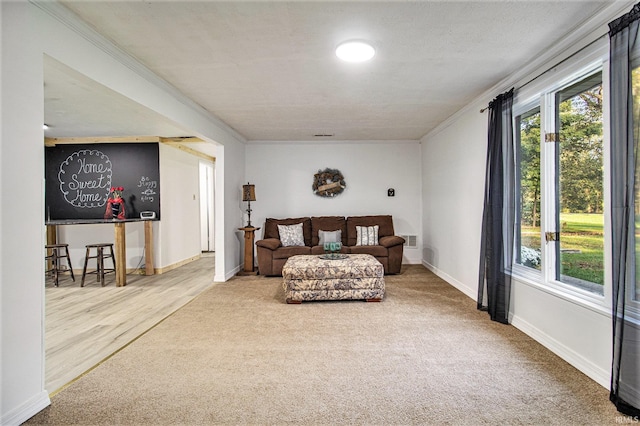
(355, 51)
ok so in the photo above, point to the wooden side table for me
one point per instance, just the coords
(249, 236)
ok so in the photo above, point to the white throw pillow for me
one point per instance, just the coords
(367, 235)
(329, 237)
(291, 235)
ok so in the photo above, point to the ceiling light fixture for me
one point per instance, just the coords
(355, 51)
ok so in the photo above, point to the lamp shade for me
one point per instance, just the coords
(248, 192)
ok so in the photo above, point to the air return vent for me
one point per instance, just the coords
(410, 241)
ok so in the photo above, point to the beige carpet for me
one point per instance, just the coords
(239, 355)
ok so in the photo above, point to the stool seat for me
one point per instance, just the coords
(55, 252)
(100, 255)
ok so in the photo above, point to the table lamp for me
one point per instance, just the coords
(249, 195)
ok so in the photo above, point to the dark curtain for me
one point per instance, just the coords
(624, 51)
(496, 247)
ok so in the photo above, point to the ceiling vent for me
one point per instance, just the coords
(323, 135)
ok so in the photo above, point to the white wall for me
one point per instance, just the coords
(29, 31)
(453, 167)
(21, 218)
(234, 159)
(283, 175)
(179, 206)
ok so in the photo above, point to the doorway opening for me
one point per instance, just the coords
(207, 210)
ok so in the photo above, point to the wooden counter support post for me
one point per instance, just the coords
(249, 235)
(52, 234)
(120, 254)
(148, 248)
(52, 238)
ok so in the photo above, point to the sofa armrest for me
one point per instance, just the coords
(270, 243)
(391, 241)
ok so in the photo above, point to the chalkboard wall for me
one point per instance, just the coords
(79, 179)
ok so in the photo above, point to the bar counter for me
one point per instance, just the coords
(120, 249)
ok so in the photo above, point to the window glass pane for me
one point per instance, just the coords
(635, 82)
(528, 158)
(579, 185)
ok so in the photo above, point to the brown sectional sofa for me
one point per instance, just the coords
(272, 255)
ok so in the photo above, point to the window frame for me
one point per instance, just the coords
(555, 148)
(520, 269)
(540, 91)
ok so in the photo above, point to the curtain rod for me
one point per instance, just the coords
(552, 67)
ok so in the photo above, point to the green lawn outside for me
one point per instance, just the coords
(582, 233)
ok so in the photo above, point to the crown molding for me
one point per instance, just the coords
(76, 24)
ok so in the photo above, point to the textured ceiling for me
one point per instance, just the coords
(268, 69)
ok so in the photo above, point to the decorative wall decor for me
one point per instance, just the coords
(328, 183)
(115, 204)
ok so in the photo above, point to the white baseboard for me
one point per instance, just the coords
(597, 374)
(27, 410)
(231, 273)
(183, 262)
(472, 293)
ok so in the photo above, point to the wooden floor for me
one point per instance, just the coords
(86, 325)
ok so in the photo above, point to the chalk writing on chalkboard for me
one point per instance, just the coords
(85, 178)
(148, 192)
(79, 177)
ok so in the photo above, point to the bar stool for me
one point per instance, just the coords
(55, 252)
(100, 255)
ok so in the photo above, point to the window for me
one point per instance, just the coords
(528, 238)
(560, 222)
(579, 185)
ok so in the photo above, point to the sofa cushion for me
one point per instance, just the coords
(391, 241)
(291, 235)
(287, 252)
(329, 237)
(367, 235)
(384, 222)
(271, 227)
(328, 223)
(377, 251)
(270, 243)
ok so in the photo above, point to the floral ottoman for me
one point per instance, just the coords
(356, 276)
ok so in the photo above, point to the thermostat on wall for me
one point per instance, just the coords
(147, 215)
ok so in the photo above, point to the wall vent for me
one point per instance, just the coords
(410, 241)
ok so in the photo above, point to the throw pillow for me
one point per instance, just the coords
(329, 237)
(367, 235)
(291, 235)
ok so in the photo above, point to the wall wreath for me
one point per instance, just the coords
(328, 183)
